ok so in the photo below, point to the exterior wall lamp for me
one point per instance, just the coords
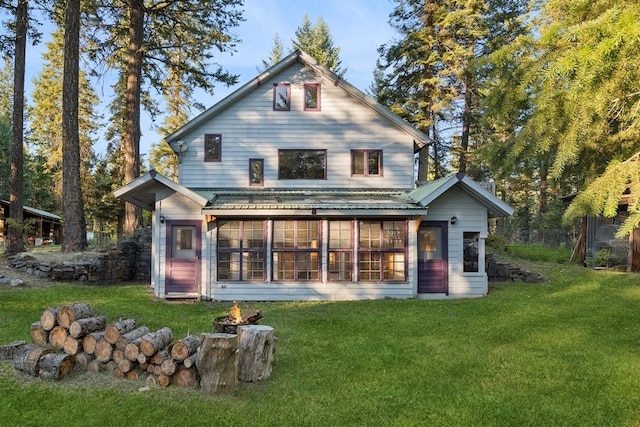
(161, 219)
(453, 220)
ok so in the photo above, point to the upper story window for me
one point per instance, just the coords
(256, 172)
(212, 147)
(302, 164)
(312, 97)
(366, 162)
(281, 97)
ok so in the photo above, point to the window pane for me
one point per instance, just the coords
(229, 234)
(229, 266)
(307, 234)
(340, 234)
(308, 266)
(281, 96)
(311, 97)
(471, 253)
(253, 265)
(393, 234)
(301, 164)
(212, 147)
(370, 234)
(340, 266)
(357, 162)
(284, 265)
(374, 162)
(253, 235)
(256, 171)
(394, 266)
(283, 234)
(370, 267)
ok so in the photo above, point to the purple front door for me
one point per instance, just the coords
(433, 266)
(182, 273)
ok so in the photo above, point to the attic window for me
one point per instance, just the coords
(212, 147)
(312, 97)
(281, 97)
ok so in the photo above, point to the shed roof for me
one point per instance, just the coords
(428, 193)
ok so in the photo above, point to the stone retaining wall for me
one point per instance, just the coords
(505, 272)
(129, 260)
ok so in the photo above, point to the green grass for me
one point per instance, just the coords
(562, 353)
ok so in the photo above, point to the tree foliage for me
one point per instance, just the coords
(316, 41)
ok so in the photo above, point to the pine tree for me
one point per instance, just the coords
(316, 41)
(275, 56)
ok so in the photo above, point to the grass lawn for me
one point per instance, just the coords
(565, 352)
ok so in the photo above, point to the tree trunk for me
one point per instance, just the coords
(70, 313)
(156, 341)
(39, 336)
(27, 360)
(83, 359)
(185, 347)
(9, 351)
(126, 365)
(75, 226)
(217, 362)
(49, 318)
(125, 339)
(14, 239)
(113, 331)
(190, 362)
(168, 367)
(131, 141)
(84, 326)
(256, 352)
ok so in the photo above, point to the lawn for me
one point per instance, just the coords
(565, 352)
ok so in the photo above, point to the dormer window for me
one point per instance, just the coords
(312, 97)
(281, 97)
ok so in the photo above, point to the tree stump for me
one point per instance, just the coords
(185, 347)
(217, 362)
(39, 335)
(70, 313)
(55, 366)
(255, 343)
(125, 339)
(27, 360)
(156, 341)
(113, 331)
(57, 336)
(84, 326)
(49, 318)
(90, 340)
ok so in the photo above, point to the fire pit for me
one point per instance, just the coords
(229, 324)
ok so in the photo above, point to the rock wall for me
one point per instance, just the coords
(129, 260)
(504, 272)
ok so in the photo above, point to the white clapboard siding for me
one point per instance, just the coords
(250, 129)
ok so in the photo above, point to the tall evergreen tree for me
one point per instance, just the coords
(316, 40)
(148, 35)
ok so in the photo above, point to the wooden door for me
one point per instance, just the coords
(433, 253)
(183, 264)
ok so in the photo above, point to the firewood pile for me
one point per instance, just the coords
(72, 337)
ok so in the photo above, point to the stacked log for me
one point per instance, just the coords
(72, 337)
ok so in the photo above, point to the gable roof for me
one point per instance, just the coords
(420, 139)
(142, 190)
(428, 193)
(34, 211)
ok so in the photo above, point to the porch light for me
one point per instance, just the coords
(161, 219)
(453, 220)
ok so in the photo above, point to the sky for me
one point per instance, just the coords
(358, 28)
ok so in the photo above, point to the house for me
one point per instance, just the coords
(43, 227)
(298, 186)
